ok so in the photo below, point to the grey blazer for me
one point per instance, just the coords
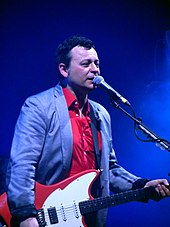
(42, 149)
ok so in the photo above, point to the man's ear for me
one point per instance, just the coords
(63, 70)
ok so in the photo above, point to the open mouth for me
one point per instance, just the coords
(90, 78)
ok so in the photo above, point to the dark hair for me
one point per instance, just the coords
(63, 50)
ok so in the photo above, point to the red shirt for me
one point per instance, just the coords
(83, 157)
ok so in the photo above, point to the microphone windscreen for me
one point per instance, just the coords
(97, 80)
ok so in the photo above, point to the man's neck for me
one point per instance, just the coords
(81, 97)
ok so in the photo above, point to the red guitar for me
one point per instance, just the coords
(65, 203)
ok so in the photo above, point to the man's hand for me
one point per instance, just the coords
(160, 187)
(29, 222)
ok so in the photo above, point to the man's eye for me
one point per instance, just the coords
(86, 64)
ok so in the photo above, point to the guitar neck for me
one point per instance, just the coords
(114, 200)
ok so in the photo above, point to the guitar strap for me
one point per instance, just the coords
(91, 218)
(95, 136)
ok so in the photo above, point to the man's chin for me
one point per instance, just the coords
(91, 88)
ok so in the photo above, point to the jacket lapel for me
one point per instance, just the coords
(65, 124)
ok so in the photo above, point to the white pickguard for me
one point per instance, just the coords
(66, 201)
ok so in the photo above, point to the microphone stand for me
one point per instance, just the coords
(161, 143)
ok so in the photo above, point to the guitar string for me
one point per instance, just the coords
(60, 217)
(74, 209)
(68, 212)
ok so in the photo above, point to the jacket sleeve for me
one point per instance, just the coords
(119, 178)
(27, 145)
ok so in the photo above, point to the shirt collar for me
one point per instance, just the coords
(72, 102)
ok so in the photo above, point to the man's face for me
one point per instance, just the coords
(84, 65)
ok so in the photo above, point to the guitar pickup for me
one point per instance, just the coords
(52, 215)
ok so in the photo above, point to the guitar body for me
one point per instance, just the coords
(64, 196)
(4, 210)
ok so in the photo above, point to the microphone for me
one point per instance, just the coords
(100, 82)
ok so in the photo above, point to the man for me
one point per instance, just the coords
(54, 138)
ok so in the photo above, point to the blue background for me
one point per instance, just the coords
(131, 38)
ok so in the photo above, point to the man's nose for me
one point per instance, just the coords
(94, 68)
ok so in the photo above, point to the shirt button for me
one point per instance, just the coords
(85, 153)
(77, 115)
(83, 134)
